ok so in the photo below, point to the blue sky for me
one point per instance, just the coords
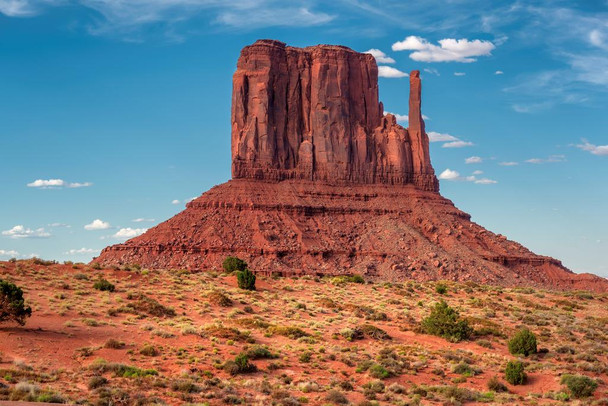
(114, 113)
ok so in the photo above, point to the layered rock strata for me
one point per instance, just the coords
(313, 113)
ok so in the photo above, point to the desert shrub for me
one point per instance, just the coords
(149, 350)
(335, 396)
(445, 322)
(259, 352)
(378, 371)
(240, 365)
(514, 373)
(579, 386)
(495, 385)
(441, 288)
(12, 304)
(342, 279)
(121, 370)
(144, 304)
(185, 386)
(246, 279)
(523, 343)
(351, 334)
(233, 264)
(219, 298)
(374, 332)
(288, 331)
(229, 333)
(43, 262)
(104, 285)
(97, 382)
(114, 344)
(96, 266)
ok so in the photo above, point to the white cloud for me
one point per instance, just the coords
(432, 71)
(457, 144)
(390, 72)
(380, 56)
(82, 251)
(56, 183)
(97, 224)
(459, 73)
(508, 163)
(175, 201)
(142, 220)
(448, 50)
(129, 232)
(551, 158)
(473, 160)
(499, 72)
(449, 174)
(8, 253)
(440, 137)
(191, 199)
(477, 172)
(264, 14)
(20, 231)
(594, 149)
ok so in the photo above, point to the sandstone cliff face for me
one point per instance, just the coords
(313, 113)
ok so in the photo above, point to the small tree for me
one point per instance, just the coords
(523, 343)
(246, 279)
(232, 264)
(12, 305)
(514, 373)
(445, 322)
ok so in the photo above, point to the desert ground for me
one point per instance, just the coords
(172, 337)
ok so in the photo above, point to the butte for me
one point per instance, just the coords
(324, 183)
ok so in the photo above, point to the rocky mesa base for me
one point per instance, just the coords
(383, 232)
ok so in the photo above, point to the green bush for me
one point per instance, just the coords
(445, 322)
(240, 365)
(104, 285)
(441, 288)
(523, 343)
(514, 373)
(580, 386)
(232, 264)
(246, 279)
(12, 305)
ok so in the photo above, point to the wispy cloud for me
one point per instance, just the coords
(20, 231)
(56, 184)
(448, 50)
(143, 220)
(473, 160)
(550, 159)
(127, 18)
(594, 149)
(9, 253)
(81, 251)
(508, 163)
(457, 144)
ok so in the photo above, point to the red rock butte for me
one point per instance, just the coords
(324, 183)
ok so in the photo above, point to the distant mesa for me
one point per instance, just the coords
(323, 183)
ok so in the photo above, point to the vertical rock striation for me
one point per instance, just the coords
(313, 114)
